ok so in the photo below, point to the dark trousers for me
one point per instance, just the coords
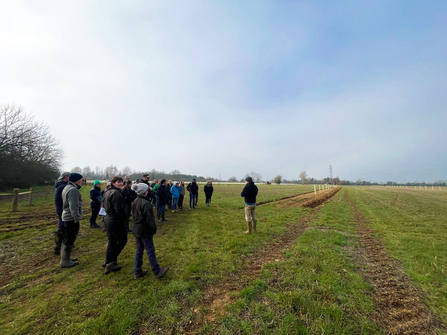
(208, 199)
(148, 244)
(95, 210)
(71, 232)
(60, 223)
(169, 201)
(117, 236)
(180, 201)
(160, 210)
(192, 200)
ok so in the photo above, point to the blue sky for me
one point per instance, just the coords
(229, 87)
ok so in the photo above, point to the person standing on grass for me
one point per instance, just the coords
(250, 192)
(193, 190)
(208, 189)
(144, 228)
(168, 189)
(175, 192)
(129, 197)
(71, 215)
(59, 234)
(162, 200)
(95, 202)
(115, 221)
(182, 195)
(155, 190)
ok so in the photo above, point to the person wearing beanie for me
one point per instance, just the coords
(59, 234)
(144, 228)
(193, 190)
(71, 215)
(95, 202)
(115, 222)
(250, 192)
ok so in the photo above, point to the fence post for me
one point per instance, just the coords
(30, 197)
(15, 199)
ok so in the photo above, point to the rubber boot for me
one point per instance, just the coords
(66, 262)
(58, 239)
(249, 227)
(112, 267)
(254, 225)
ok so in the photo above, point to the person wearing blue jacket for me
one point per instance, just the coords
(175, 191)
(59, 234)
(95, 202)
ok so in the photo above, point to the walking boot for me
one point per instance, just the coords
(161, 273)
(249, 225)
(58, 239)
(112, 267)
(94, 226)
(140, 275)
(66, 262)
(254, 225)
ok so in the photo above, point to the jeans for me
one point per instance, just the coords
(71, 232)
(192, 200)
(117, 236)
(180, 201)
(148, 244)
(160, 210)
(95, 210)
(156, 201)
(174, 203)
(60, 223)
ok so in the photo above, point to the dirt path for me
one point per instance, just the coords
(400, 309)
(219, 295)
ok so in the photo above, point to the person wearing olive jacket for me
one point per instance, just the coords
(115, 221)
(144, 228)
(71, 215)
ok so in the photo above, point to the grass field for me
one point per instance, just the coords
(303, 272)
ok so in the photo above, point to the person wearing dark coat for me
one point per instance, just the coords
(208, 189)
(115, 222)
(144, 228)
(162, 200)
(193, 189)
(249, 193)
(95, 202)
(59, 234)
(129, 197)
(168, 189)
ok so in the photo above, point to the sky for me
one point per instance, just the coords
(223, 88)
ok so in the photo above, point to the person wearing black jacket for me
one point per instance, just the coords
(115, 221)
(250, 192)
(59, 234)
(162, 200)
(144, 228)
(168, 189)
(129, 197)
(208, 189)
(193, 190)
(95, 202)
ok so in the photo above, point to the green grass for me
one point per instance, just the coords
(315, 290)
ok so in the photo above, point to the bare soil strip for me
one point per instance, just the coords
(221, 294)
(400, 309)
(305, 199)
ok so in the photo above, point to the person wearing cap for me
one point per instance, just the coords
(59, 234)
(175, 192)
(208, 189)
(115, 222)
(250, 192)
(144, 228)
(71, 215)
(95, 202)
(193, 190)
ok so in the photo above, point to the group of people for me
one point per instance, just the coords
(119, 200)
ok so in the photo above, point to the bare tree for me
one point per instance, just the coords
(232, 179)
(127, 171)
(110, 171)
(76, 169)
(257, 177)
(303, 177)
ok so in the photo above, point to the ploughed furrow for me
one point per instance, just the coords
(400, 309)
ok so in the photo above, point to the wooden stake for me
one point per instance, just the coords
(30, 197)
(15, 199)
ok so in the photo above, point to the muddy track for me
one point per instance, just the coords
(305, 199)
(221, 294)
(400, 309)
